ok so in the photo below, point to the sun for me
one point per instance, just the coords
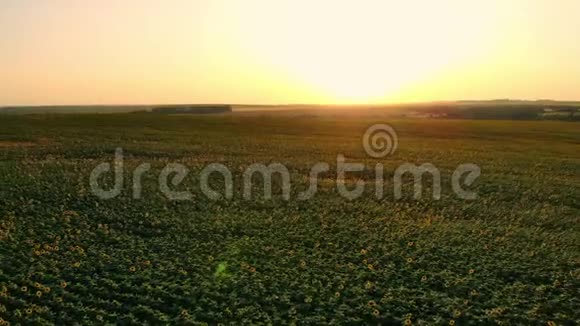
(353, 52)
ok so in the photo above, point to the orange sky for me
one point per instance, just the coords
(295, 51)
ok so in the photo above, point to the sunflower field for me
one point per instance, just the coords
(509, 257)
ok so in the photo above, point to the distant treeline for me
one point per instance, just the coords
(74, 109)
(501, 112)
(484, 110)
(166, 109)
(192, 109)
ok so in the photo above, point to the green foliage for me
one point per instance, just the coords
(221, 271)
(510, 257)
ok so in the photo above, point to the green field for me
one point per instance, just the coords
(511, 256)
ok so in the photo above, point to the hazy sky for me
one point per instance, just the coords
(294, 51)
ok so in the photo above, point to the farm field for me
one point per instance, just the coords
(510, 256)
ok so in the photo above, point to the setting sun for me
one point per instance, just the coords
(353, 53)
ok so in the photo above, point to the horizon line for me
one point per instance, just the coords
(290, 104)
